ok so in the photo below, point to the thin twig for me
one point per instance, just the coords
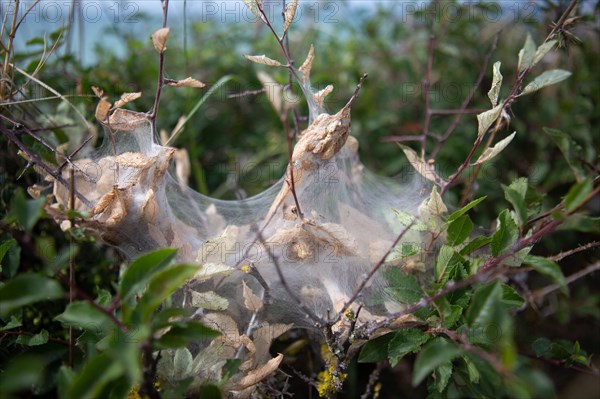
(370, 275)
(542, 292)
(581, 248)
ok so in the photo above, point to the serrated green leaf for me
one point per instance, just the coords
(436, 352)
(526, 54)
(569, 149)
(490, 153)
(405, 342)
(142, 269)
(475, 244)
(459, 230)
(403, 287)
(452, 315)
(546, 78)
(442, 376)
(26, 289)
(487, 118)
(471, 370)
(581, 223)
(376, 350)
(160, 287)
(447, 260)
(496, 84)
(485, 300)
(577, 194)
(549, 269)
(34, 340)
(511, 298)
(506, 234)
(455, 215)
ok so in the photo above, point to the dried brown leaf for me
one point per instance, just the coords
(252, 302)
(102, 109)
(187, 82)
(127, 97)
(159, 39)
(321, 94)
(289, 14)
(98, 91)
(259, 374)
(262, 59)
(307, 64)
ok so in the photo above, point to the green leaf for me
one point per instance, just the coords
(181, 333)
(511, 298)
(13, 323)
(471, 370)
(34, 340)
(459, 230)
(569, 149)
(527, 54)
(442, 376)
(95, 375)
(26, 289)
(455, 215)
(452, 315)
(182, 362)
(506, 234)
(447, 261)
(403, 287)
(475, 244)
(142, 269)
(547, 78)
(64, 379)
(484, 304)
(515, 193)
(581, 223)
(376, 350)
(541, 346)
(578, 194)
(25, 212)
(549, 269)
(436, 352)
(405, 342)
(5, 246)
(85, 316)
(160, 287)
(21, 373)
(10, 259)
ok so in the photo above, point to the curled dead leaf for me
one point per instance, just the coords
(102, 109)
(260, 373)
(187, 82)
(289, 13)
(159, 39)
(252, 302)
(307, 64)
(127, 97)
(321, 94)
(263, 59)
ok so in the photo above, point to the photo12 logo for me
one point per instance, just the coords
(65, 12)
